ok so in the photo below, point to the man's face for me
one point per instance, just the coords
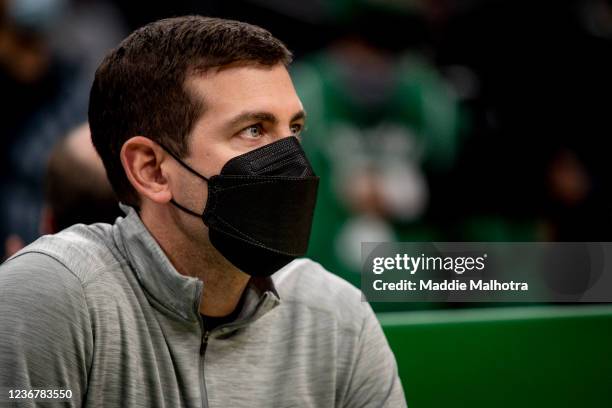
(246, 107)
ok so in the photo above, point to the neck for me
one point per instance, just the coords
(193, 255)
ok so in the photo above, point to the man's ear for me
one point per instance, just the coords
(142, 161)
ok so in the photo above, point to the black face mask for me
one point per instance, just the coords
(260, 207)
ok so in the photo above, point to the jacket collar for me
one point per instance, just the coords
(172, 293)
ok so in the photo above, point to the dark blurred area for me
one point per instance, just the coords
(49, 50)
(440, 120)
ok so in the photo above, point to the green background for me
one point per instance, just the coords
(530, 356)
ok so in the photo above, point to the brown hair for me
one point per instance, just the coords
(140, 86)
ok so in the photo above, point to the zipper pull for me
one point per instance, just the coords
(204, 341)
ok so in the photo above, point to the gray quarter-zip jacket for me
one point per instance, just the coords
(99, 310)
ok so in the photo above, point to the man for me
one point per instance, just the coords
(193, 299)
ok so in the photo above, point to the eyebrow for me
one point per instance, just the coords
(249, 116)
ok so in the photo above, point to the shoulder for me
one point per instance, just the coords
(41, 299)
(45, 324)
(80, 252)
(49, 277)
(307, 283)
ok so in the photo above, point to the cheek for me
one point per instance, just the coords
(194, 193)
(212, 156)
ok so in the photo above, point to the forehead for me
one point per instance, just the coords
(234, 89)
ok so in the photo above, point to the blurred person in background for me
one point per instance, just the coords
(76, 188)
(385, 122)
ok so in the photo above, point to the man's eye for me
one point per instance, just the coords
(296, 129)
(254, 131)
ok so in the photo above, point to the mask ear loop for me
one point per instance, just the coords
(175, 157)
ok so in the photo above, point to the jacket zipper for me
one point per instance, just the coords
(204, 344)
(203, 392)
